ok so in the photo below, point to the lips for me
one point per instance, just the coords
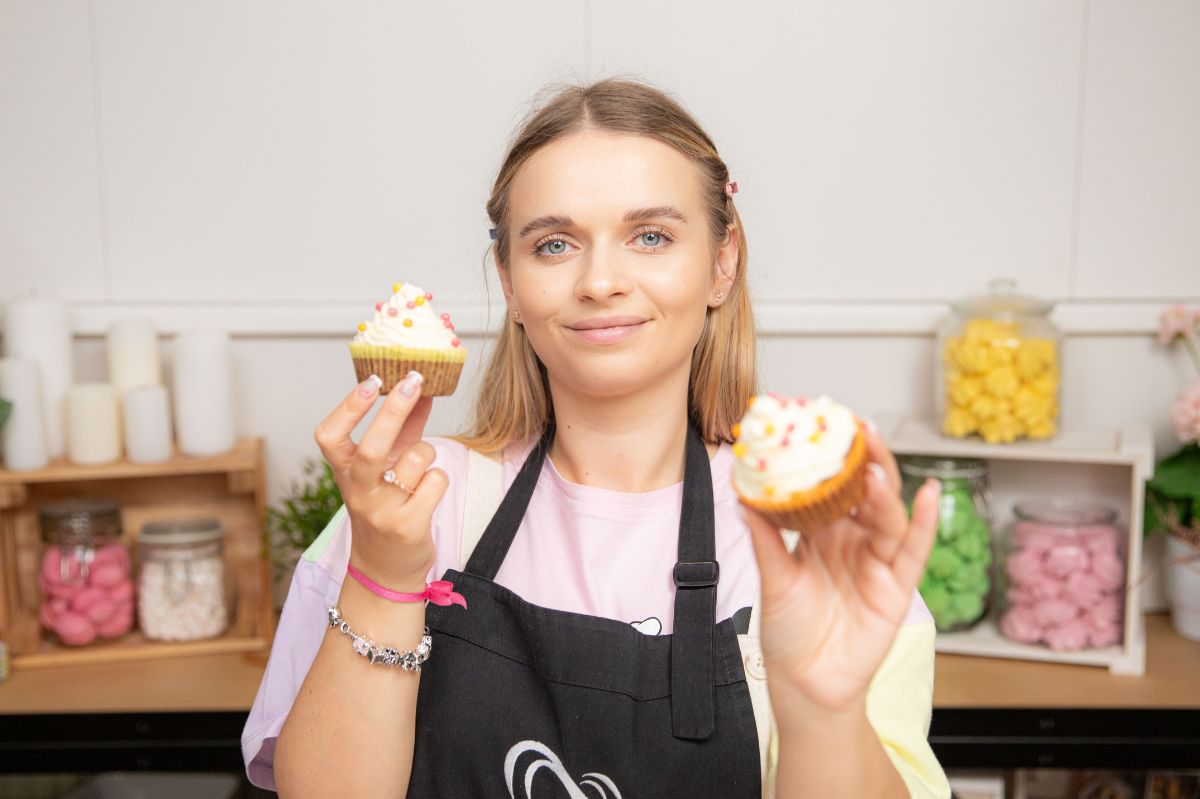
(608, 330)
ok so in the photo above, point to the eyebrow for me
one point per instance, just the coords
(636, 215)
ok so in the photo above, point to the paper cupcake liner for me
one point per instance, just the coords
(826, 502)
(440, 368)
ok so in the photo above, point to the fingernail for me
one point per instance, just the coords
(937, 486)
(370, 386)
(871, 426)
(878, 472)
(410, 383)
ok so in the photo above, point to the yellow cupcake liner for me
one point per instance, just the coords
(826, 502)
(440, 368)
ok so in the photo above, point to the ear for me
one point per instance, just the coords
(726, 267)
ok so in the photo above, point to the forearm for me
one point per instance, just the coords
(830, 754)
(351, 728)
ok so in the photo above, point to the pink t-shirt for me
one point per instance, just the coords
(579, 548)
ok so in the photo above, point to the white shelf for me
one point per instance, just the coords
(1111, 466)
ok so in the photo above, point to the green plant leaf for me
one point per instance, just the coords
(1156, 511)
(5, 410)
(1178, 475)
(300, 516)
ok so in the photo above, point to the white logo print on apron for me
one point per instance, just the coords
(552, 762)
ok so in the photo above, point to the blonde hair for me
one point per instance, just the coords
(513, 401)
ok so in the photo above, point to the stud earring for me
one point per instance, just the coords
(720, 295)
(516, 314)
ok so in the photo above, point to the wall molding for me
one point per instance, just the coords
(777, 318)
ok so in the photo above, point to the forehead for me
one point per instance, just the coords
(596, 176)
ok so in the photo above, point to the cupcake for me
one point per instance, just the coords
(800, 462)
(406, 335)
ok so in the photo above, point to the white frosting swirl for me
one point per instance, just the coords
(426, 329)
(787, 444)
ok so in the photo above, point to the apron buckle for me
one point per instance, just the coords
(696, 573)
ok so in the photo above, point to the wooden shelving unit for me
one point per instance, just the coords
(1107, 466)
(230, 487)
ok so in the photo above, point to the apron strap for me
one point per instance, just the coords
(693, 702)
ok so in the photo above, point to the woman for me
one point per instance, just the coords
(580, 662)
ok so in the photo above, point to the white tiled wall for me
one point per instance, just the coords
(271, 167)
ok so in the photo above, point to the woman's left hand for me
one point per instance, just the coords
(831, 609)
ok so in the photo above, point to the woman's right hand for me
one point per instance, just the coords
(392, 542)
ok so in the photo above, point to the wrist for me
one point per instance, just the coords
(358, 599)
(795, 711)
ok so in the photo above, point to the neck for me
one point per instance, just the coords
(632, 443)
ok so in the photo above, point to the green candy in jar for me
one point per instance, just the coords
(956, 585)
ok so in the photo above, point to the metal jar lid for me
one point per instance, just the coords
(942, 467)
(80, 520)
(181, 532)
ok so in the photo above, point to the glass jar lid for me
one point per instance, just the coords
(1002, 302)
(941, 467)
(1065, 512)
(181, 532)
(80, 520)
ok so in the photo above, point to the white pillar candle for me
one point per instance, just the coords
(24, 433)
(133, 354)
(38, 328)
(93, 423)
(203, 371)
(147, 424)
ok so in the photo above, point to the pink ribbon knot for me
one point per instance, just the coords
(441, 592)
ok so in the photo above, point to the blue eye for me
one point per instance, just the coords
(652, 234)
(553, 241)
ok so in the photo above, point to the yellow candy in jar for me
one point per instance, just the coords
(1043, 429)
(959, 422)
(1001, 430)
(1002, 381)
(999, 384)
(964, 388)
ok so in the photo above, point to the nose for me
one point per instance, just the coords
(603, 273)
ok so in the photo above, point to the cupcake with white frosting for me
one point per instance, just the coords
(408, 335)
(799, 461)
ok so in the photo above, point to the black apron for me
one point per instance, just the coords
(519, 700)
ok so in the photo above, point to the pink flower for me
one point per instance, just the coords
(1185, 414)
(1177, 321)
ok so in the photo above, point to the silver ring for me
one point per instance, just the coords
(389, 477)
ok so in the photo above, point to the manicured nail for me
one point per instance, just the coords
(878, 473)
(410, 383)
(871, 425)
(370, 387)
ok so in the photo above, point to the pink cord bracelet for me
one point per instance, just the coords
(439, 592)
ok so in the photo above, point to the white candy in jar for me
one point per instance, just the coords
(182, 599)
(181, 586)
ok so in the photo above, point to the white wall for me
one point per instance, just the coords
(272, 167)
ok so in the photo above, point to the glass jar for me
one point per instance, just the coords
(84, 571)
(1064, 575)
(183, 592)
(956, 585)
(999, 367)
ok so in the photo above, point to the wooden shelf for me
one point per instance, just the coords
(230, 487)
(242, 458)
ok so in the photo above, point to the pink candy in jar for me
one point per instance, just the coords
(1066, 576)
(84, 575)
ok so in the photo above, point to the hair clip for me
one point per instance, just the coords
(731, 188)
(492, 233)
